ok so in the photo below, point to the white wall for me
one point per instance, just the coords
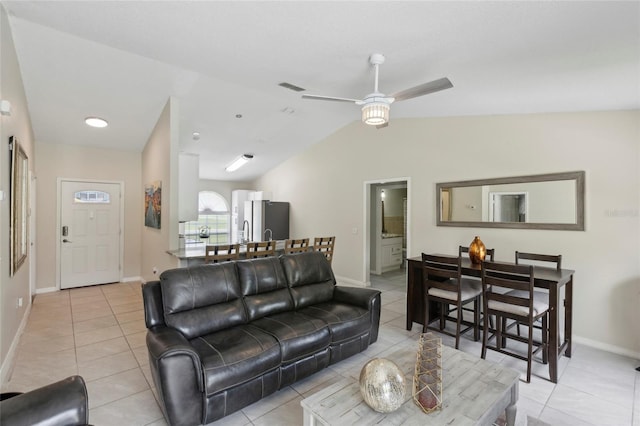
(18, 125)
(85, 163)
(160, 163)
(603, 144)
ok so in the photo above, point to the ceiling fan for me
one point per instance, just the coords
(375, 106)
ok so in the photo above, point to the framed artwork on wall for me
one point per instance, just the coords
(19, 205)
(152, 204)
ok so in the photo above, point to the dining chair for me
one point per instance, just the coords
(261, 249)
(519, 303)
(541, 260)
(221, 253)
(296, 246)
(325, 245)
(490, 255)
(444, 284)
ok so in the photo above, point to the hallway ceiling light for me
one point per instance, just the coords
(96, 122)
(239, 162)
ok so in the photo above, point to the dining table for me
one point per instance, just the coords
(551, 279)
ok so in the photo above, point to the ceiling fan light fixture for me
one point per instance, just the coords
(375, 114)
(239, 162)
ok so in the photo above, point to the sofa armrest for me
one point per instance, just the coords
(153, 308)
(64, 402)
(177, 374)
(365, 298)
(361, 297)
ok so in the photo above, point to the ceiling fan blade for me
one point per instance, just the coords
(423, 89)
(329, 98)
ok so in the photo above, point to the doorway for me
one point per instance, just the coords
(89, 233)
(508, 207)
(387, 225)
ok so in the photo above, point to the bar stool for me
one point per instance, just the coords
(325, 245)
(519, 303)
(296, 246)
(261, 249)
(443, 283)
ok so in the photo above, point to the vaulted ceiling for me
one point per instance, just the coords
(122, 60)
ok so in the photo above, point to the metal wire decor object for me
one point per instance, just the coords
(427, 379)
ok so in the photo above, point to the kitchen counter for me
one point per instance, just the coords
(195, 255)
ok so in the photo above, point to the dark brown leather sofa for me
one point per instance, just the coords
(223, 336)
(63, 403)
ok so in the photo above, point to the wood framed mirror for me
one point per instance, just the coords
(548, 201)
(19, 185)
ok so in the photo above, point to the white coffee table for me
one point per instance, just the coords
(475, 392)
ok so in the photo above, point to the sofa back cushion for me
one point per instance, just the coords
(264, 287)
(309, 276)
(202, 299)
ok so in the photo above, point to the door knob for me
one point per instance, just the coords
(66, 241)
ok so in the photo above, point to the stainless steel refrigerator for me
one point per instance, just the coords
(267, 215)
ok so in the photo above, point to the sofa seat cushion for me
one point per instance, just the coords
(345, 321)
(299, 335)
(235, 355)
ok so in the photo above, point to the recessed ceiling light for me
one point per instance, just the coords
(96, 122)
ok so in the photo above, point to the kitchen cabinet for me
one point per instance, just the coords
(391, 253)
(188, 183)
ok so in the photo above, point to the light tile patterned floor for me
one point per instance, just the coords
(99, 333)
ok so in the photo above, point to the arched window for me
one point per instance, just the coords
(212, 226)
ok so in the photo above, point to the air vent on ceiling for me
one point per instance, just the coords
(291, 87)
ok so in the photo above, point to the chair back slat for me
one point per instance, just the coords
(511, 300)
(535, 257)
(221, 253)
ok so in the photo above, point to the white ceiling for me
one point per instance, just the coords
(121, 60)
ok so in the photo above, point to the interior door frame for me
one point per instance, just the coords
(366, 234)
(59, 222)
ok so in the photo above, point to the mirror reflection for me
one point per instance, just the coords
(551, 201)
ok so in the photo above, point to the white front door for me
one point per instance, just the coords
(89, 233)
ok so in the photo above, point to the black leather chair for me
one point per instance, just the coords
(63, 403)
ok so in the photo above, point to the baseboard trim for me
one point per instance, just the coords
(606, 347)
(131, 279)
(46, 290)
(351, 282)
(7, 365)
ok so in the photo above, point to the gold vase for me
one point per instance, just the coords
(477, 250)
